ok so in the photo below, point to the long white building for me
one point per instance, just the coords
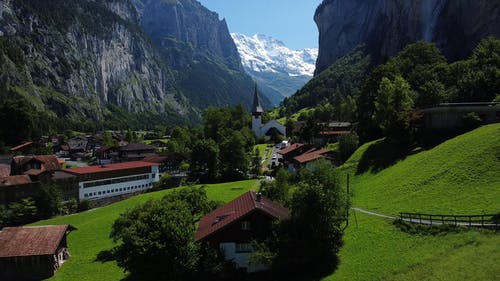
(96, 182)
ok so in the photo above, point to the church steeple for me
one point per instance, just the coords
(256, 108)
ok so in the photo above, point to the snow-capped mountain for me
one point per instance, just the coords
(278, 69)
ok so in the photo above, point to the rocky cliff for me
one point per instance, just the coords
(384, 27)
(76, 58)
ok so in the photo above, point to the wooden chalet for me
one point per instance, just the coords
(32, 252)
(136, 151)
(21, 164)
(236, 224)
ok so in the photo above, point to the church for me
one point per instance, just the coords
(259, 129)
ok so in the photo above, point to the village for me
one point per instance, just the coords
(89, 174)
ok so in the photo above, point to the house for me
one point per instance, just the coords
(97, 182)
(17, 187)
(135, 151)
(32, 252)
(77, 144)
(287, 154)
(450, 115)
(305, 160)
(107, 155)
(270, 127)
(21, 164)
(236, 224)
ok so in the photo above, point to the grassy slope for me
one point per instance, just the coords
(374, 249)
(461, 175)
(94, 227)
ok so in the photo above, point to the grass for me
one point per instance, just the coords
(459, 176)
(93, 228)
(375, 249)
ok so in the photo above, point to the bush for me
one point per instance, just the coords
(84, 205)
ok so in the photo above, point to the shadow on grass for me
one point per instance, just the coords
(422, 229)
(105, 256)
(383, 154)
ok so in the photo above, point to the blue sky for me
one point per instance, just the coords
(290, 21)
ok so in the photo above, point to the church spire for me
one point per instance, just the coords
(256, 108)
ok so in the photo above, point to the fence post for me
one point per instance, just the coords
(430, 219)
(420, 217)
(456, 221)
(470, 221)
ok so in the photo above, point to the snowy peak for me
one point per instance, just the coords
(261, 53)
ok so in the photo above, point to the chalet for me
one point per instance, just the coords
(305, 160)
(135, 151)
(107, 155)
(32, 252)
(23, 148)
(236, 224)
(21, 164)
(78, 144)
(288, 153)
(450, 115)
(96, 182)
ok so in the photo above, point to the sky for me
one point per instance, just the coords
(290, 21)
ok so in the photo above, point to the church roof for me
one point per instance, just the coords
(256, 108)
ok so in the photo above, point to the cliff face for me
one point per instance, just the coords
(384, 27)
(198, 46)
(89, 53)
(74, 58)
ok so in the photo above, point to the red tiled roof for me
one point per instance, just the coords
(311, 156)
(290, 148)
(31, 240)
(234, 210)
(333, 133)
(21, 146)
(109, 168)
(15, 180)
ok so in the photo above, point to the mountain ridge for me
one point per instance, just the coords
(278, 68)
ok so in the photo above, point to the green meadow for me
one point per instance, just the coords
(459, 176)
(94, 226)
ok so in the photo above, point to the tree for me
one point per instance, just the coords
(392, 107)
(277, 190)
(22, 212)
(205, 160)
(17, 123)
(310, 240)
(157, 241)
(195, 197)
(234, 157)
(348, 143)
(48, 201)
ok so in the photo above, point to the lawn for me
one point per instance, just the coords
(459, 176)
(375, 249)
(93, 228)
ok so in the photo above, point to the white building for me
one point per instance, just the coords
(259, 129)
(96, 182)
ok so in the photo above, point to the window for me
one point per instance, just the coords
(243, 248)
(245, 225)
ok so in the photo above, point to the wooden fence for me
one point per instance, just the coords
(486, 220)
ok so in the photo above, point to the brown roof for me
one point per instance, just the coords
(34, 172)
(311, 155)
(21, 146)
(290, 148)
(155, 159)
(15, 180)
(31, 240)
(50, 162)
(4, 170)
(136, 146)
(236, 209)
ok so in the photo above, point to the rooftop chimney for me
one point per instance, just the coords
(259, 197)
